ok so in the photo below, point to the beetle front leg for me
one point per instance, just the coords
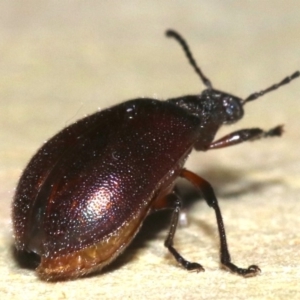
(175, 202)
(244, 135)
(209, 196)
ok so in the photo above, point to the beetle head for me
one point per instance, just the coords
(223, 107)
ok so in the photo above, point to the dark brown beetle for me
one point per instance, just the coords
(85, 194)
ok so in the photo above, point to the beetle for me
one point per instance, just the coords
(86, 192)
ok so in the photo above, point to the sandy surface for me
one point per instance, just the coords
(61, 60)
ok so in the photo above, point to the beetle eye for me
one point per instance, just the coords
(233, 109)
(229, 110)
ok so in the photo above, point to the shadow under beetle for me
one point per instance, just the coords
(86, 192)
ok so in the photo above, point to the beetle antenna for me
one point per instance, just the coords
(183, 43)
(275, 86)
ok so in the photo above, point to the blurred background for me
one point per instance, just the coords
(62, 60)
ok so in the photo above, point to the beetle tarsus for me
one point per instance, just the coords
(252, 270)
(276, 131)
(190, 266)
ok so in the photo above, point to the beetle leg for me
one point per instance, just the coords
(209, 196)
(244, 135)
(176, 204)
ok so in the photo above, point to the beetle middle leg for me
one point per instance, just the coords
(174, 201)
(209, 196)
(244, 135)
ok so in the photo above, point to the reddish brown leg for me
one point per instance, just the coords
(244, 135)
(209, 196)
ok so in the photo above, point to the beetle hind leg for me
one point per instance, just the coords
(175, 202)
(209, 196)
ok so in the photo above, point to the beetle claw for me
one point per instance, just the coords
(194, 267)
(252, 270)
